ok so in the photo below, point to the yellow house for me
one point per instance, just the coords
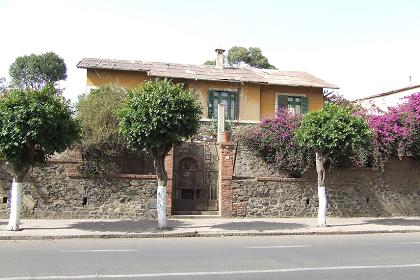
(249, 94)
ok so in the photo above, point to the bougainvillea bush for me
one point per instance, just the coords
(397, 132)
(273, 140)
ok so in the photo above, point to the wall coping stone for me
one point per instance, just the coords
(117, 176)
(272, 179)
(233, 121)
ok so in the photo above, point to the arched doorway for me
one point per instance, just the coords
(195, 186)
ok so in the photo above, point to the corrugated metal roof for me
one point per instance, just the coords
(208, 72)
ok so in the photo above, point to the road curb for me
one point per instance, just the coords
(194, 234)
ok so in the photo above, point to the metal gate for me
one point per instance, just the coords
(195, 178)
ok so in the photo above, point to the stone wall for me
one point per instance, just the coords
(352, 192)
(248, 165)
(54, 192)
(273, 198)
(246, 186)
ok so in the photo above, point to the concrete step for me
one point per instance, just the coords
(195, 214)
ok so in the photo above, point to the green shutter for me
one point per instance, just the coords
(210, 104)
(304, 104)
(281, 101)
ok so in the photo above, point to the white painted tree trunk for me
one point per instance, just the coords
(322, 199)
(161, 206)
(15, 205)
(322, 196)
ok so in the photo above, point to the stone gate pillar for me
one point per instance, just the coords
(226, 160)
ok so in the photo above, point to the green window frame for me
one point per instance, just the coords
(295, 103)
(229, 98)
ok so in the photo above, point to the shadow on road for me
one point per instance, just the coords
(125, 226)
(150, 226)
(384, 222)
(259, 226)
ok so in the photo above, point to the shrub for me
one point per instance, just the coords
(101, 142)
(273, 140)
(396, 132)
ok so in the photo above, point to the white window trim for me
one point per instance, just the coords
(286, 94)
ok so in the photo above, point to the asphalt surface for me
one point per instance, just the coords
(373, 256)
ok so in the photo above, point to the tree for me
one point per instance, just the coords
(330, 132)
(97, 112)
(36, 71)
(155, 116)
(3, 85)
(237, 56)
(252, 57)
(210, 62)
(101, 140)
(34, 124)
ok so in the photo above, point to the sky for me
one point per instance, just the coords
(363, 46)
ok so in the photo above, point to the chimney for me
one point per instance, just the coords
(219, 58)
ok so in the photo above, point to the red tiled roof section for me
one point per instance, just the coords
(209, 73)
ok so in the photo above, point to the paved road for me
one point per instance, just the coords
(386, 256)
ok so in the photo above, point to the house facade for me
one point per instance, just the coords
(200, 172)
(249, 94)
(387, 99)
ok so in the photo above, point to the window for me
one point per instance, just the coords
(295, 103)
(228, 98)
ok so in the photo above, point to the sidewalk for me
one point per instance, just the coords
(64, 229)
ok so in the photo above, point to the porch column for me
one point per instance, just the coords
(169, 166)
(226, 160)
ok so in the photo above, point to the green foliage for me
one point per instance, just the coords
(257, 60)
(237, 55)
(334, 131)
(101, 140)
(252, 57)
(214, 124)
(158, 114)
(34, 124)
(36, 71)
(3, 85)
(210, 62)
(97, 112)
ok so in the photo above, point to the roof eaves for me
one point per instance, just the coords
(387, 93)
(234, 75)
